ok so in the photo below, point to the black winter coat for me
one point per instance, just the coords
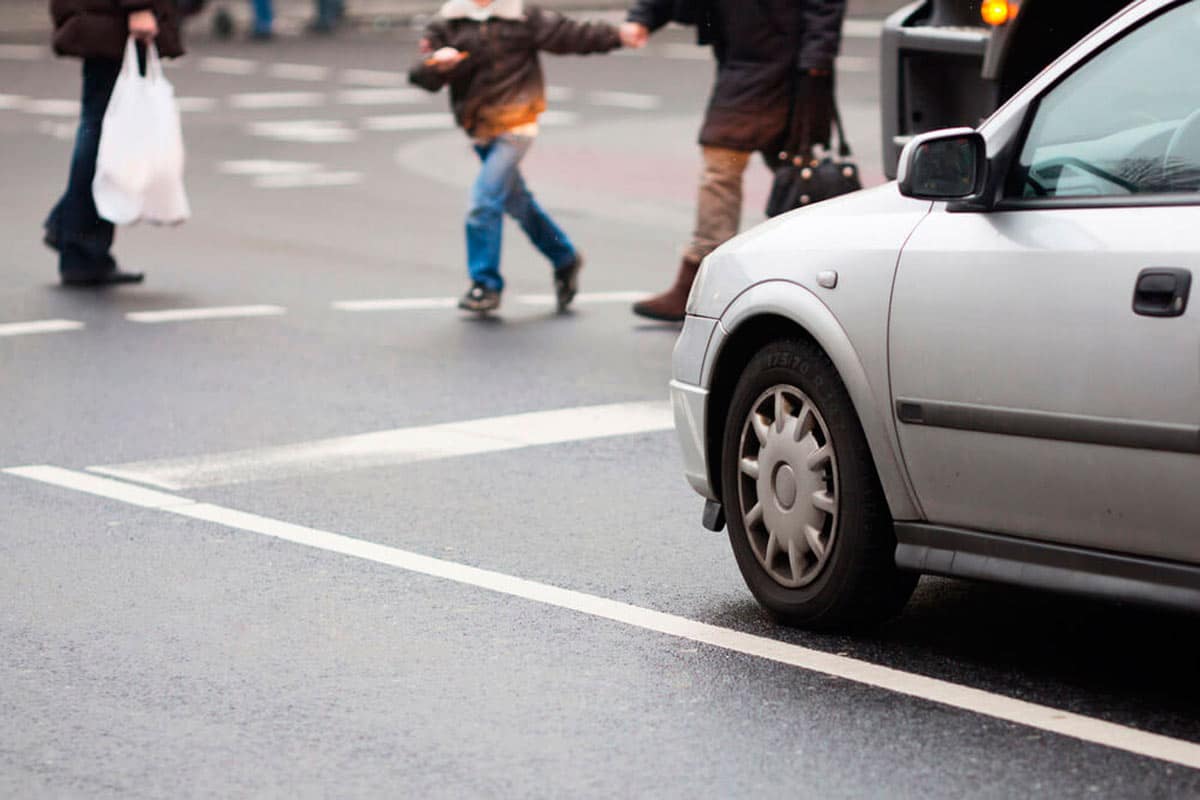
(100, 28)
(500, 86)
(760, 47)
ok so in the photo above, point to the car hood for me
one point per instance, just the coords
(864, 230)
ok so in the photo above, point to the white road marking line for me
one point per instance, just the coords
(63, 131)
(409, 122)
(193, 105)
(857, 64)
(382, 97)
(945, 693)
(51, 107)
(862, 28)
(687, 52)
(11, 101)
(430, 303)
(309, 131)
(23, 52)
(585, 298)
(39, 326)
(257, 167)
(192, 314)
(262, 100)
(228, 66)
(373, 77)
(397, 304)
(558, 118)
(303, 180)
(634, 100)
(399, 446)
(101, 487)
(298, 72)
(560, 94)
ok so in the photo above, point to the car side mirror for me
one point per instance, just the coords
(947, 165)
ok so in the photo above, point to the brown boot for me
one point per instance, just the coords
(671, 304)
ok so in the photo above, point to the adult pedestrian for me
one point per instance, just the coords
(96, 31)
(766, 52)
(264, 20)
(329, 15)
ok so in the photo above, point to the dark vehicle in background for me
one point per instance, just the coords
(946, 63)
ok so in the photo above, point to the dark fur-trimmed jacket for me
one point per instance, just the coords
(500, 86)
(100, 28)
(760, 47)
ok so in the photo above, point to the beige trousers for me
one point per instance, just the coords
(719, 205)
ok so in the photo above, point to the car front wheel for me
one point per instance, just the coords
(807, 518)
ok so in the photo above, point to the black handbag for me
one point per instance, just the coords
(803, 179)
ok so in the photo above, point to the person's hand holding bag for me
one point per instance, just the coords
(814, 112)
(143, 26)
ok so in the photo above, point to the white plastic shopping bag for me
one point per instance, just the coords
(139, 168)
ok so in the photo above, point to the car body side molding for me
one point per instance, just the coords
(1047, 425)
(959, 553)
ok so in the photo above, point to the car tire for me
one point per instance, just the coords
(807, 517)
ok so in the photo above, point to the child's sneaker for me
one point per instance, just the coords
(480, 299)
(566, 283)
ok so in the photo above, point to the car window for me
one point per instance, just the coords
(1127, 122)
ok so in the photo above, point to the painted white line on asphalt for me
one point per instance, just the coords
(397, 304)
(382, 97)
(558, 118)
(400, 446)
(633, 100)
(304, 180)
(945, 693)
(857, 64)
(39, 326)
(194, 105)
(228, 66)
(263, 100)
(11, 101)
(585, 298)
(101, 487)
(685, 52)
(257, 166)
(64, 131)
(373, 77)
(308, 131)
(194, 314)
(409, 122)
(560, 94)
(51, 107)
(298, 72)
(862, 28)
(23, 52)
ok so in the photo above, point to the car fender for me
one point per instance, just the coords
(869, 394)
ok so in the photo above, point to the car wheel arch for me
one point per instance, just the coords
(771, 311)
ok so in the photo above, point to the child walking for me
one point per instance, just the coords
(487, 52)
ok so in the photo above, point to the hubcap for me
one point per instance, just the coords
(788, 486)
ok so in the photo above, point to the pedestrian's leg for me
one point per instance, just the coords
(719, 202)
(82, 237)
(485, 220)
(264, 19)
(718, 214)
(537, 224)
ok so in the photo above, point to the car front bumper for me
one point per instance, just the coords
(690, 404)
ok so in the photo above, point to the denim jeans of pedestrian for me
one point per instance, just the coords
(84, 239)
(329, 13)
(500, 189)
(264, 16)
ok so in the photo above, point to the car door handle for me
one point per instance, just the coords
(1162, 292)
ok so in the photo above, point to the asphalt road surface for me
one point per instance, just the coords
(284, 522)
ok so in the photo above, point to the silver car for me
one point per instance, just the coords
(988, 369)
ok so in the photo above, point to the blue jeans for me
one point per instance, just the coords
(264, 16)
(329, 13)
(499, 189)
(82, 238)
